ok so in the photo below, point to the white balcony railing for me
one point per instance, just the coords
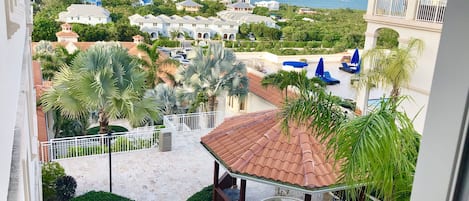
(391, 8)
(193, 121)
(431, 11)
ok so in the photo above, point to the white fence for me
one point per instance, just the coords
(137, 139)
(193, 121)
(392, 8)
(431, 11)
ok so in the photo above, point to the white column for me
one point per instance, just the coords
(363, 93)
(371, 7)
(411, 9)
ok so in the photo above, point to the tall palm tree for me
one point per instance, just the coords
(150, 63)
(211, 72)
(392, 67)
(104, 79)
(377, 150)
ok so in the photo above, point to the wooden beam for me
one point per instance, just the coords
(307, 197)
(242, 192)
(215, 180)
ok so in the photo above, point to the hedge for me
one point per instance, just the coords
(203, 195)
(100, 196)
(113, 128)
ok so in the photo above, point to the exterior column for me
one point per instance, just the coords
(364, 93)
(242, 191)
(411, 9)
(371, 7)
(307, 197)
(215, 180)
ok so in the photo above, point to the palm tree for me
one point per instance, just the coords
(52, 58)
(211, 72)
(393, 67)
(166, 96)
(282, 79)
(150, 63)
(377, 150)
(104, 79)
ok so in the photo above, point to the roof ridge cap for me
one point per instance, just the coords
(307, 158)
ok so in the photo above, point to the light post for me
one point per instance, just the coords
(109, 135)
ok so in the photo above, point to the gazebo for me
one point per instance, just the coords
(253, 147)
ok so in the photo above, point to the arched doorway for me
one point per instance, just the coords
(199, 35)
(154, 35)
(225, 36)
(180, 35)
(206, 36)
(387, 38)
(232, 37)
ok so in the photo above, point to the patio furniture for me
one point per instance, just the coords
(348, 68)
(328, 79)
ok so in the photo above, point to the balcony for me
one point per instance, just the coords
(432, 11)
(391, 8)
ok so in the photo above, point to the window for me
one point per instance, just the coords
(193, 25)
(231, 26)
(219, 26)
(242, 103)
(155, 24)
(89, 18)
(140, 23)
(180, 24)
(206, 26)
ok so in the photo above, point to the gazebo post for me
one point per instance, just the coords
(307, 197)
(242, 192)
(215, 180)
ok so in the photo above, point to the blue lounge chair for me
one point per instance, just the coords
(328, 79)
(348, 68)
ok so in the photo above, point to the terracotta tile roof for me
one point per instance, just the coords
(66, 34)
(270, 94)
(254, 145)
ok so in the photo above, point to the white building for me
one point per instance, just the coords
(20, 171)
(187, 26)
(85, 14)
(416, 19)
(246, 18)
(240, 6)
(188, 5)
(271, 5)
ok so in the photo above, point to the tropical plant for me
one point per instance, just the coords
(282, 79)
(50, 173)
(166, 96)
(150, 63)
(52, 59)
(104, 79)
(392, 67)
(66, 127)
(377, 151)
(211, 72)
(65, 188)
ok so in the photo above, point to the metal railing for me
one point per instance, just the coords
(391, 8)
(431, 11)
(193, 121)
(138, 139)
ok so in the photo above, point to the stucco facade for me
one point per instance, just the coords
(85, 14)
(409, 22)
(20, 171)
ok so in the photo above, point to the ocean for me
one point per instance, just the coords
(331, 4)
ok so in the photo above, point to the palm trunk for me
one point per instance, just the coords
(395, 93)
(103, 120)
(211, 103)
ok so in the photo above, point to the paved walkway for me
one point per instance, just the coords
(150, 175)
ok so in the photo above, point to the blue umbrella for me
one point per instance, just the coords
(320, 68)
(355, 57)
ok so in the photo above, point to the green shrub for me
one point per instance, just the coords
(50, 173)
(100, 196)
(113, 128)
(203, 195)
(65, 188)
